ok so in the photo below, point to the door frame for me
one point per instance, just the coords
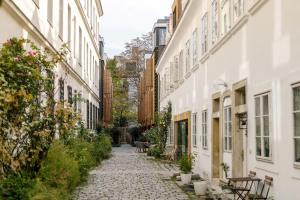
(186, 116)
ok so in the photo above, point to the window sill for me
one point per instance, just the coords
(204, 57)
(188, 74)
(196, 66)
(226, 36)
(227, 151)
(297, 165)
(253, 8)
(265, 160)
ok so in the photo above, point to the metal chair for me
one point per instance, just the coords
(263, 194)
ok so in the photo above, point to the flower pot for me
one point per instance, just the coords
(200, 187)
(186, 178)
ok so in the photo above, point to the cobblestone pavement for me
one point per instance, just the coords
(130, 176)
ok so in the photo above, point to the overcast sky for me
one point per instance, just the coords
(124, 20)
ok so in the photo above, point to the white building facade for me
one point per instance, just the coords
(53, 23)
(232, 73)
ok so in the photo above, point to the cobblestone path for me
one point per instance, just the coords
(130, 176)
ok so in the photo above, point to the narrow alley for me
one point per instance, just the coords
(132, 176)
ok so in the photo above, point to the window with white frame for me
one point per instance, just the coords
(204, 130)
(194, 130)
(74, 34)
(225, 16)
(227, 129)
(171, 74)
(204, 35)
(50, 11)
(176, 69)
(215, 17)
(238, 9)
(187, 57)
(262, 125)
(61, 19)
(296, 113)
(181, 65)
(80, 47)
(172, 133)
(195, 47)
(69, 24)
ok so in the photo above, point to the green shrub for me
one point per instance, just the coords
(59, 170)
(82, 152)
(16, 186)
(155, 151)
(186, 164)
(102, 148)
(41, 191)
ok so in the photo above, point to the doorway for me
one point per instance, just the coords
(182, 135)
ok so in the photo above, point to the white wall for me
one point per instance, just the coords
(263, 49)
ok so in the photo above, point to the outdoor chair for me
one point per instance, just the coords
(263, 194)
(170, 154)
(241, 187)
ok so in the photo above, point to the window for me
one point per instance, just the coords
(91, 63)
(75, 100)
(195, 47)
(204, 34)
(61, 90)
(87, 60)
(69, 25)
(50, 12)
(204, 129)
(70, 97)
(238, 8)
(176, 69)
(187, 57)
(181, 65)
(80, 46)
(194, 130)
(227, 129)
(262, 125)
(79, 99)
(296, 113)
(61, 19)
(88, 114)
(74, 44)
(171, 133)
(91, 115)
(214, 15)
(225, 16)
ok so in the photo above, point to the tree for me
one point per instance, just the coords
(121, 106)
(135, 51)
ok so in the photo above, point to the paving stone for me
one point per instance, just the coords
(130, 176)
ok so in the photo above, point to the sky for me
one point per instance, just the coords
(124, 20)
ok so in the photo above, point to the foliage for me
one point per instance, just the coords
(26, 104)
(158, 134)
(16, 186)
(102, 148)
(155, 151)
(59, 169)
(186, 164)
(225, 168)
(81, 151)
(122, 113)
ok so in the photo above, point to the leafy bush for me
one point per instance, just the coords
(16, 186)
(82, 152)
(186, 164)
(155, 151)
(102, 148)
(59, 169)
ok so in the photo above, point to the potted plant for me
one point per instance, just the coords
(186, 168)
(225, 168)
